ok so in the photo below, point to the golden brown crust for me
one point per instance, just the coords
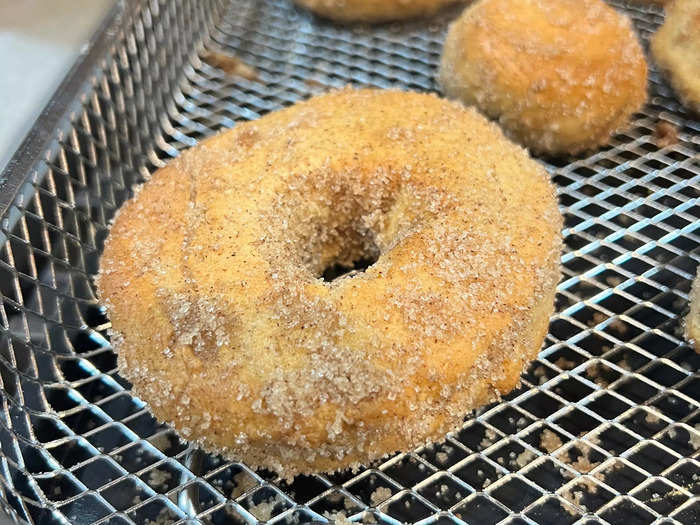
(373, 10)
(560, 76)
(676, 50)
(210, 276)
(649, 2)
(692, 321)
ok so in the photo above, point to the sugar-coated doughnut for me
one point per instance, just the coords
(659, 3)
(373, 10)
(676, 50)
(692, 322)
(560, 76)
(211, 276)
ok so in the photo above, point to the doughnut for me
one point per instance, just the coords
(373, 10)
(659, 3)
(212, 277)
(560, 76)
(692, 322)
(676, 50)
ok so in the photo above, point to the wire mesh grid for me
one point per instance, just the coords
(605, 426)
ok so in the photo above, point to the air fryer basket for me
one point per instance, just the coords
(616, 385)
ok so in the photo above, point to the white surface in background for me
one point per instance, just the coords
(39, 42)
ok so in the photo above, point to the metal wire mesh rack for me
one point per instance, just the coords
(604, 427)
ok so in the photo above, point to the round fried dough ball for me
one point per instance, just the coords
(676, 49)
(692, 321)
(560, 76)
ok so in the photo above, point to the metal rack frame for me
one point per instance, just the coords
(603, 428)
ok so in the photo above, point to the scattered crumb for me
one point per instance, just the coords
(550, 441)
(608, 470)
(625, 220)
(335, 497)
(598, 317)
(441, 458)
(540, 374)
(694, 438)
(242, 483)
(164, 517)
(613, 280)
(379, 495)
(583, 463)
(565, 364)
(584, 486)
(442, 491)
(619, 326)
(338, 518)
(595, 371)
(570, 510)
(525, 457)
(489, 437)
(666, 134)
(651, 418)
(158, 478)
(229, 64)
(263, 510)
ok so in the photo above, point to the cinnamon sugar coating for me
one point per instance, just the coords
(692, 321)
(560, 76)
(373, 10)
(676, 50)
(211, 277)
(660, 3)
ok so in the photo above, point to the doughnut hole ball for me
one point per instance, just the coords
(692, 321)
(559, 76)
(676, 50)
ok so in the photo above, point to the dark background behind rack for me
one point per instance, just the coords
(615, 380)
